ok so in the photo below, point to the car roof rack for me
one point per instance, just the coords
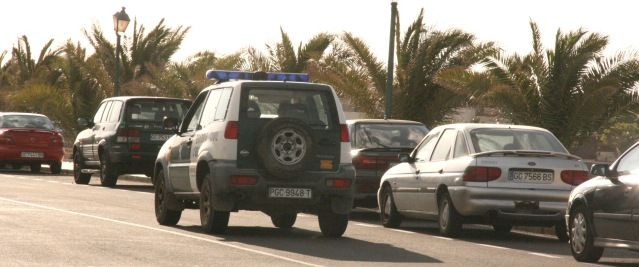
(227, 75)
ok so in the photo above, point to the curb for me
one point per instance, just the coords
(127, 177)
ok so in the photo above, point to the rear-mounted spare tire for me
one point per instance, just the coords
(284, 147)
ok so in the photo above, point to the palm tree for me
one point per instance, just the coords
(423, 55)
(572, 90)
(143, 57)
(25, 68)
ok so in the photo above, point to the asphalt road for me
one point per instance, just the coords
(47, 220)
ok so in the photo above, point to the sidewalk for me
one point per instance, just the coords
(67, 169)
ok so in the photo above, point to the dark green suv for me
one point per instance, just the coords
(124, 137)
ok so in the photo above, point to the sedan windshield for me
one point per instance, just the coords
(485, 140)
(25, 121)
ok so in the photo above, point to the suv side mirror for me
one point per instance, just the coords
(83, 123)
(403, 157)
(170, 124)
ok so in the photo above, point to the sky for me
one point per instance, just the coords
(225, 27)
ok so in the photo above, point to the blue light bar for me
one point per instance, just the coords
(226, 75)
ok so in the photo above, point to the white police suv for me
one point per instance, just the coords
(270, 142)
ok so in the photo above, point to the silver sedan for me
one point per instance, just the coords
(501, 175)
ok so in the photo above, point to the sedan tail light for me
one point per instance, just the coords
(481, 174)
(6, 140)
(56, 141)
(573, 177)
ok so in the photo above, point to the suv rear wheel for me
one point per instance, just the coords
(212, 221)
(78, 165)
(332, 224)
(163, 213)
(284, 220)
(108, 172)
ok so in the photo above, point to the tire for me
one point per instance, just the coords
(35, 168)
(332, 224)
(502, 228)
(450, 222)
(56, 167)
(582, 236)
(108, 172)
(561, 232)
(78, 165)
(284, 147)
(284, 220)
(163, 214)
(212, 221)
(388, 214)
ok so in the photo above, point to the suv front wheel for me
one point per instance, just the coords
(78, 165)
(163, 213)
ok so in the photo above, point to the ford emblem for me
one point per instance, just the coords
(244, 153)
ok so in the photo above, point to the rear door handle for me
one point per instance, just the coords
(441, 171)
(416, 171)
(190, 141)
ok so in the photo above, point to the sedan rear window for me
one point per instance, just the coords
(26, 121)
(374, 135)
(485, 140)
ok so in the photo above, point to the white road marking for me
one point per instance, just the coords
(37, 179)
(544, 255)
(402, 231)
(368, 225)
(441, 237)
(160, 230)
(55, 182)
(491, 246)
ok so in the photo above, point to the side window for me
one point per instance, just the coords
(115, 111)
(208, 115)
(192, 119)
(460, 146)
(443, 148)
(98, 114)
(426, 149)
(220, 113)
(629, 163)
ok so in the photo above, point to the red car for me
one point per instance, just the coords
(30, 139)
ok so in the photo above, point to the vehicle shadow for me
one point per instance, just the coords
(135, 188)
(312, 243)
(483, 234)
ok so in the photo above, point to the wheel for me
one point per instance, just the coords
(108, 174)
(35, 167)
(284, 147)
(561, 232)
(163, 214)
(387, 211)
(284, 220)
(502, 228)
(332, 224)
(449, 220)
(212, 221)
(582, 237)
(78, 165)
(56, 167)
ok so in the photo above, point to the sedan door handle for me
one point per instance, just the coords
(441, 171)
(190, 141)
(416, 171)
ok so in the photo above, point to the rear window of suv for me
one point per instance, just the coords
(146, 110)
(315, 107)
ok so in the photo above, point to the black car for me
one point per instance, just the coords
(603, 211)
(375, 145)
(123, 137)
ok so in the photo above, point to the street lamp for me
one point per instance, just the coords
(391, 62)
(120, 22)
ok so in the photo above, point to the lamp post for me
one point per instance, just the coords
(120, 22)
(391, 62)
